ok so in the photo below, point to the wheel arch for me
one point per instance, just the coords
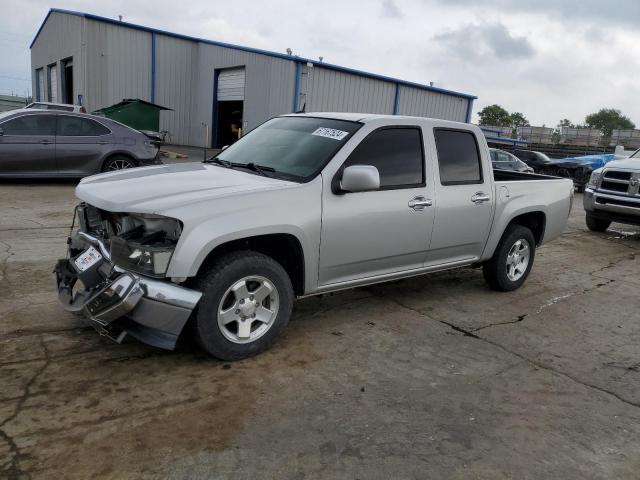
(284, 248)
(535, 221)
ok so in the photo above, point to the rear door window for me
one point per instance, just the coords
(458, 157)
(71, 126)
(396, 152)
(30, 125)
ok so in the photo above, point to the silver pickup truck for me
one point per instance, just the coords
(302, 205)
(613, 194)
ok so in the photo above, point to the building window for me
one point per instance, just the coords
(52, 83)
(39, 84)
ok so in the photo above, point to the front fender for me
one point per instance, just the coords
(292, 211)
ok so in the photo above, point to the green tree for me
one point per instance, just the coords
(518, 120)
(494, 115)
(565, 122)
(608, 119)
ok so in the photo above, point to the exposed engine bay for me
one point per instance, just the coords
(142, 243)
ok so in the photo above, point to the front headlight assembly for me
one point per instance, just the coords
(594, 179)
(147, 248)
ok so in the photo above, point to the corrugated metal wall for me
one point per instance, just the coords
(426, 103)
(176, 66)
(61, 37)
(118, 64)
(326, 90)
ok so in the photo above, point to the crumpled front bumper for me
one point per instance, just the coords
(121, 302)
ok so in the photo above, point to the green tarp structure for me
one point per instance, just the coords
(134, 113)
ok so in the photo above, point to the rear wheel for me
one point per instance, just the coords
(247, 300)
(597, 224)
(118, 162)
(512, 261)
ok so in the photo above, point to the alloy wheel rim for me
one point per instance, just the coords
(120, 164)
(248, 309)
(518, 259)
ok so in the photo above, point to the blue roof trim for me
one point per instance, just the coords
(283, 56)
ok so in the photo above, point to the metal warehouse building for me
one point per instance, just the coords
(96, 61)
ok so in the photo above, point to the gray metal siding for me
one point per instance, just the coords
(176, 66)
(118, 64)
(328, 90)
(424, 103)
(61, 37)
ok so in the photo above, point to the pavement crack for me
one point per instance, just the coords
(508, 322)
(537, 364)
(12, 467)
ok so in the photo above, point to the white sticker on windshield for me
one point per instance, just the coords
(330, 133)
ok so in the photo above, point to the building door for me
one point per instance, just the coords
(229, 105)
(67, 81)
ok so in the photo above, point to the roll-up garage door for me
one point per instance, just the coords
(231, 84)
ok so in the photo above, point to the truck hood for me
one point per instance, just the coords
(156, 189)
(626, 163)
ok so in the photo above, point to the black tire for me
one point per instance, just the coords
(118, 162)
(597, 224)
(228, 270)
(495, 270)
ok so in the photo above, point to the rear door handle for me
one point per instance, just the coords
(480, 197)
(45, 142)
(419, 203)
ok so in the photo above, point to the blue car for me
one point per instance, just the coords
(577, 168)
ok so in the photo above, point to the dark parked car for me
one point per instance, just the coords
(536, 160)
(52, 143)
(501, 160)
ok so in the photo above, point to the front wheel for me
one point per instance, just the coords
(247, 300)
(512, 261)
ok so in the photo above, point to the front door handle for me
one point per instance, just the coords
(419, 203)
(45, 142)
(480, 197)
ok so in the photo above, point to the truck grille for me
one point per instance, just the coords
(618, 182)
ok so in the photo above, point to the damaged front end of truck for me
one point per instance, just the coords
(115, 274)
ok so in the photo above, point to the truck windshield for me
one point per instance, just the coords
(294, 148)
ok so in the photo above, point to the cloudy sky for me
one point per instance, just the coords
(549, 59)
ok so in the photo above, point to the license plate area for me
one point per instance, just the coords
(87, 259)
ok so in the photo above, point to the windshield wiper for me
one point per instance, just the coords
(261, 169)
(219, 161)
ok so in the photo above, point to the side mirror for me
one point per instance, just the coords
(360, 178)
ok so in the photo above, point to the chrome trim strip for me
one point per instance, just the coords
(166, 292)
